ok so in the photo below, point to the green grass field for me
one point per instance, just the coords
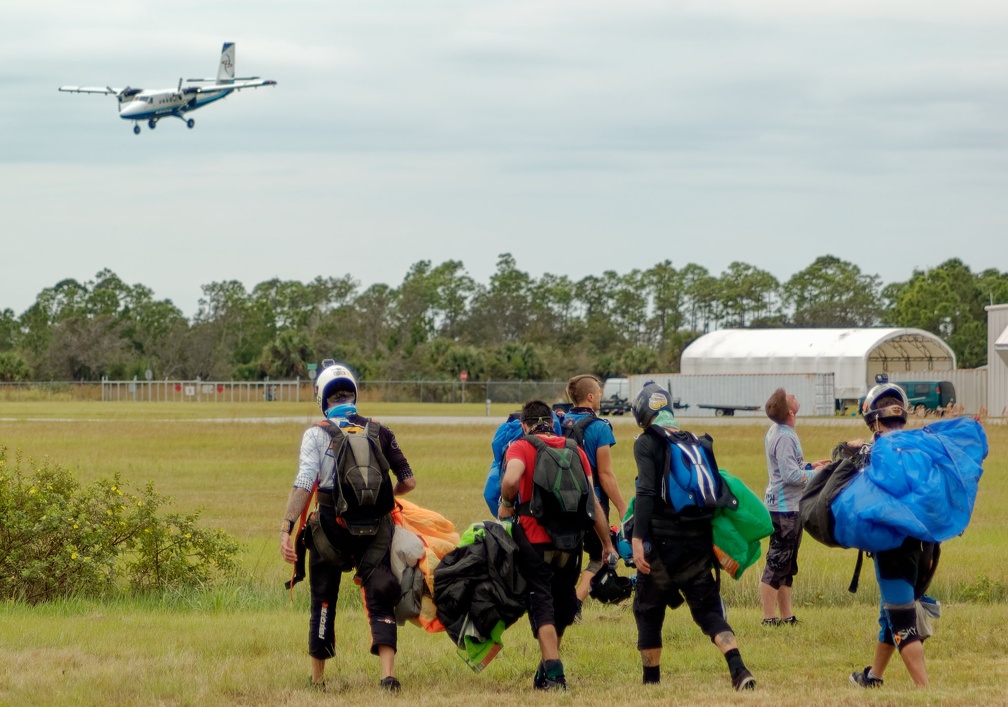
(244, 643)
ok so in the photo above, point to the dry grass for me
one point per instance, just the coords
(244, 643)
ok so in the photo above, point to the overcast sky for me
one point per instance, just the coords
(579, 136)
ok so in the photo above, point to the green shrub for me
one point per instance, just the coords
(59, 539)
(983, 590)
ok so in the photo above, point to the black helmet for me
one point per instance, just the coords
(871, 411)
(649, 402)
(608, 587)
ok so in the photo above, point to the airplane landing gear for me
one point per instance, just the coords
(190, 123)
(136, 129)
(151, 123)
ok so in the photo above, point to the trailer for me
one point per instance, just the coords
(727, 410)
(614, 406)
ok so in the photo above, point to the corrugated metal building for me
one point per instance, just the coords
(737, 393)
(997, 360)
(853, 356)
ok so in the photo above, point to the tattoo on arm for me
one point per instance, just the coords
(296, 503)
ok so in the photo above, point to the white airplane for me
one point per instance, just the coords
(137, 104)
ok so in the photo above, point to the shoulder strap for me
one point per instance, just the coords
(536, 443)
(372, 427)
(856, 578)
(577, 429)
(337, 437)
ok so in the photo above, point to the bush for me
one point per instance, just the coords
(59, 539)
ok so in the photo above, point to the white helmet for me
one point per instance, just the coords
(333, 377)
(870, 410)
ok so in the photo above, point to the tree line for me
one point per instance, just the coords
(439, 321)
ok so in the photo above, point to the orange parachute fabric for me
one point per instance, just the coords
(439, 538)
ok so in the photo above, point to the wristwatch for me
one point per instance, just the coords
(286, 526)
(506, 503)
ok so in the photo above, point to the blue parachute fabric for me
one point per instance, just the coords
(492, 487)
(506, 433)
(919, 483)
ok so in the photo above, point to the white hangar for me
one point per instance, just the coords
(853, 356)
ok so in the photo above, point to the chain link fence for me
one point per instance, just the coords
(393, 391)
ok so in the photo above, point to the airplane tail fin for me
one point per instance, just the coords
(226, 72)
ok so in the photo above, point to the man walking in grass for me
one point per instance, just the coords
(678, 491)
(549, 551)
(904, 573)
(348, 457)
(595, 436)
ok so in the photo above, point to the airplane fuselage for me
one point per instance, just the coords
(146, 105)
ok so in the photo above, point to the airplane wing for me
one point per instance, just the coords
(242, 78)
(92, 89)
(231, 86)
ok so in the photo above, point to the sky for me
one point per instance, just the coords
(580, 136)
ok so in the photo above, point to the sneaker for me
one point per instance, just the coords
(743, 681)
(317, 686)
(864, 678)
(771, 623)
(557, 683)
(390, 684)
(539, 679)
(792, 621)
(552, 679)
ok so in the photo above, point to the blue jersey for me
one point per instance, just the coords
(597, 434)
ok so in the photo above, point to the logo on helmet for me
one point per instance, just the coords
(657, 401)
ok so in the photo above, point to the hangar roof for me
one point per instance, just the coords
(854, 356)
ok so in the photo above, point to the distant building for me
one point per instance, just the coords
(853, 356)
(997, 360)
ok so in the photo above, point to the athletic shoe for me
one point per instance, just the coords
(552, 679)
(771, 623)
(557, 683)
(317, 686)
(864, 678)
(743, 681)
(792, 621)
(390, 684)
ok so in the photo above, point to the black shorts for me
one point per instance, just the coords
(381, 592)
(592, 544)
(782, 556)
(681, 570)
(552, 577)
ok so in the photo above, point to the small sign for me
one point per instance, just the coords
(312, 371)
(148, 374)
(464, 376)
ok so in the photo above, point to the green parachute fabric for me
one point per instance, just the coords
(738, 532)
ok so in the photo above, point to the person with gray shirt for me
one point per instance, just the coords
(788, 473)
